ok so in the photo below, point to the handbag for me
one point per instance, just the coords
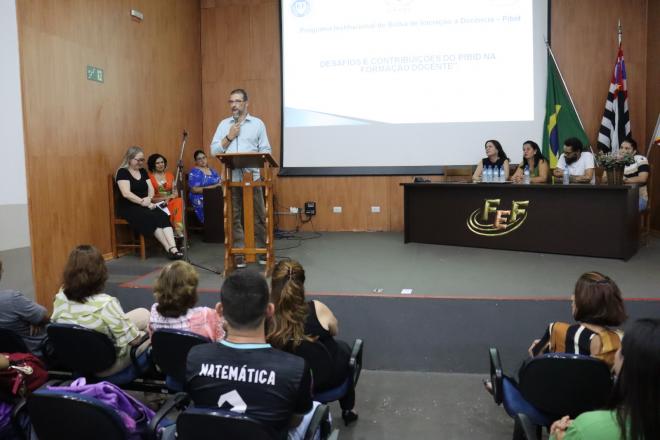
(25, 373)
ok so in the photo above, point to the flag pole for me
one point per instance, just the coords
(570, 98)
(619, 32)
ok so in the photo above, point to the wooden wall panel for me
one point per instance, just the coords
(653, 104)
(240, 41)
(584, 40)
(76, 131)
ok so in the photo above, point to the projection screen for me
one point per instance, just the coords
(408, 86)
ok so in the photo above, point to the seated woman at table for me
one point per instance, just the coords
(136, 204)
(495, 158)
(535, 162)
(199, 178)
(165, 190)
(637, 172)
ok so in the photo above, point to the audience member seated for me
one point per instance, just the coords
(535, 162)
(243, 373)
(199, 178)
(165, 190)
(296, 320)
(596, 306)
(635, 410)
(580, 164)
(136, 204)
(176, 296)
(637, 172)
(81, 301)
(495, 158)
(24, 317)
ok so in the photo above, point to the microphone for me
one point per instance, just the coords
(185, 134)
(236, 117)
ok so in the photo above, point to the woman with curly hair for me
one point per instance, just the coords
(176, 297)
(296, 321)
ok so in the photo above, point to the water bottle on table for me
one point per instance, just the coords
(526, 175)
(566, 179)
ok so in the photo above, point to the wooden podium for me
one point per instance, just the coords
(265, 162)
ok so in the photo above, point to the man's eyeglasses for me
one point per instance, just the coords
(139, 160)
(235, 101)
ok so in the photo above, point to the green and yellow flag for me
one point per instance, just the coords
(561, 120)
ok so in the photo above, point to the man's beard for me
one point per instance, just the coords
(570, 160)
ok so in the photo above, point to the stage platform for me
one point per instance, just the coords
(463, 300)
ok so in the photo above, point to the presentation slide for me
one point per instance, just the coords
(409, 83)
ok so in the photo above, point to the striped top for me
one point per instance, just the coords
(641, 165)
(101, 313)
(561, 337)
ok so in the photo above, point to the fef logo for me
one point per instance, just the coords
(492, 222)
(300, 8)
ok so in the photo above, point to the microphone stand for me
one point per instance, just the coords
(178, 179)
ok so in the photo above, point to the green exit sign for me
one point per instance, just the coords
(95, 74)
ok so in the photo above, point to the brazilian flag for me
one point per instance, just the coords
(561, 120)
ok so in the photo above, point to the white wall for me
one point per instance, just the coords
(14, 224)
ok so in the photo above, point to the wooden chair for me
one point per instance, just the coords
(137, 244)
(459, 173)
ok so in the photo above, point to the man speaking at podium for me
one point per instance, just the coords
(243, 133)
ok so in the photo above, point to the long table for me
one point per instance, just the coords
(589, 220)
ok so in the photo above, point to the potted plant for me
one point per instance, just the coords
(614, 163)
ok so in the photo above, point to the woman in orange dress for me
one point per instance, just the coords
(163, 183)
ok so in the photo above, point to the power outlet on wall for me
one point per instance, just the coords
(310, 208)
(336, 209)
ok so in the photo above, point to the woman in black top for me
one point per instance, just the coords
(296, 321)
(495, 157)
(135, 204)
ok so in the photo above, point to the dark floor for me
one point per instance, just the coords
(409, 405)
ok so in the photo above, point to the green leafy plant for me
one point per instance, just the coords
(610, 161)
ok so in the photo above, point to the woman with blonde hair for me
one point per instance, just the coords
(176, 297)
(136, 204)
(296, 321)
